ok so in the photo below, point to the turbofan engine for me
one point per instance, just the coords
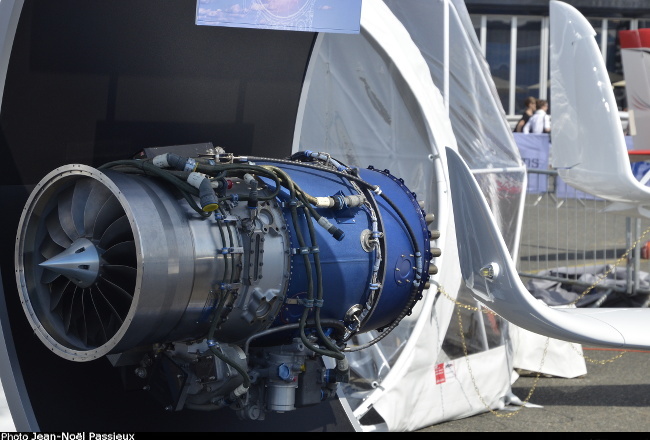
(221, 281)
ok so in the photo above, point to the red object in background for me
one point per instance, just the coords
(645, 250)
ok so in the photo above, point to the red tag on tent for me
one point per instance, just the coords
(440, 374)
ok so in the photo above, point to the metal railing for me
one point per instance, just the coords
(566, 238)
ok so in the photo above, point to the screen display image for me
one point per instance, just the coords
(340, 16)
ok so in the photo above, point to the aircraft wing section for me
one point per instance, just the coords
(587, 141)
(490, 273)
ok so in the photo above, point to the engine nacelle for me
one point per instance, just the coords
(220, 281)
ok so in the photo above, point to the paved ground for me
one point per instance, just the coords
(614, 396)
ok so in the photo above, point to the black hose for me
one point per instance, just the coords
(328, 322)
(223, 170)
(213, 326)
(148, 168)
(319, 287)
(289, 184)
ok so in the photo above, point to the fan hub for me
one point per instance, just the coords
(79, 263)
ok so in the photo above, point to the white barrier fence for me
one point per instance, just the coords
(569, 244)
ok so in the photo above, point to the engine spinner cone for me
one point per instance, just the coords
(79, 263)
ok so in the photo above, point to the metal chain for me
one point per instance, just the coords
(471, 374)
(597, 361)
(598, 281)
(466, 306)
(614, 266)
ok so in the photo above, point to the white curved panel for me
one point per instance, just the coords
(588, 146)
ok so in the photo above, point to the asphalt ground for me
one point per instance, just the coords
(614, 396)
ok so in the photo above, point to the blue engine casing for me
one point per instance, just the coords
(346, 266)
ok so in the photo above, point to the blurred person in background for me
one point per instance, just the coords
(530, 104)
(540, 122)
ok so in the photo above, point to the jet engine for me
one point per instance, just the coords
(214, 280)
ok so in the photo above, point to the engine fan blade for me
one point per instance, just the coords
(49, 248)
(110, 211)
(48, 276)
(97, 198)
(58, 289)
(122, 276)
(65, 213)
(56, 231)
(118, 298)
(80, 197)
(121, 254)
(95, 332)
(70, 311)
(114, 318)
(119, 231)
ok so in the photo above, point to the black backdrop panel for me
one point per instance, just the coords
(90, 82)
